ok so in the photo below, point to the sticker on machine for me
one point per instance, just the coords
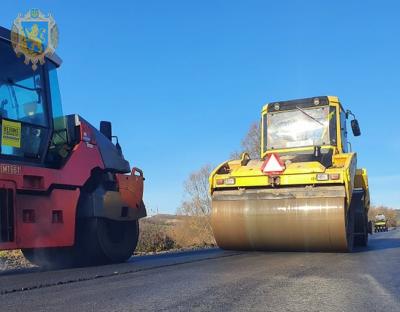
(10, 169)
(11, 133)
(273, 165)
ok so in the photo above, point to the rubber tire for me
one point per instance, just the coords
(350, 229)
(360, 219)
(111, 241)
(98, 241)
(361, 226)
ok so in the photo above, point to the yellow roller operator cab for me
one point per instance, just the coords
(312, 129)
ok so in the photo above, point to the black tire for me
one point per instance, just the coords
(98, 241)
(350, 229)
(360, 219)
(112, 241)
(361, 227)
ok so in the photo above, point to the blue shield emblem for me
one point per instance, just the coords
(36, 34)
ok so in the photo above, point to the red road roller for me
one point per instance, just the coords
(68, 197)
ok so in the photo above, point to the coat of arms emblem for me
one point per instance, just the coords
(35, 36)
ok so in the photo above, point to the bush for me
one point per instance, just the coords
(193, 231)
(153, 238)
(173, 232)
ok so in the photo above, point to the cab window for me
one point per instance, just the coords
(24, 123)
(22, 100)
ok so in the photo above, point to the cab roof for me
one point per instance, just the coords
(5, 34)
(306, 102)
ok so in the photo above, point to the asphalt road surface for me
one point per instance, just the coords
(216, 280)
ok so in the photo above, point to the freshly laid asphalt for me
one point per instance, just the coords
(216, 280)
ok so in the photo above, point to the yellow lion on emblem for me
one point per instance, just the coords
(36, 37)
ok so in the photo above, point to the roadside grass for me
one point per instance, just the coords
(166, 232)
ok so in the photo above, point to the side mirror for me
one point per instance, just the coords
(355, 127)
(106, 129)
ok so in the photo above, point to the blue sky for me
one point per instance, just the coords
(183, 80)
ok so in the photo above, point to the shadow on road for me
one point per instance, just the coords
(204, 253)
(175, 254)
(20, 271)
(380, 244)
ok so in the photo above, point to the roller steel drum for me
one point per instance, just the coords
(300, 218)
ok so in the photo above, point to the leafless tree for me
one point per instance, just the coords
(251, 142)
(197, 205)
(197, 199)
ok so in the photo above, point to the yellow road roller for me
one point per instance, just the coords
(304, 194)
(381, 223)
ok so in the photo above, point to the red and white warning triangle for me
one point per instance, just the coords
(273, 165)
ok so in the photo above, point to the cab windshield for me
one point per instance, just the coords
(300, 127)
(24, 121)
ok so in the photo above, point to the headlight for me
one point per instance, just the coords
(326, 177)
(230, 181)
(322, 177)
(227, 181)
